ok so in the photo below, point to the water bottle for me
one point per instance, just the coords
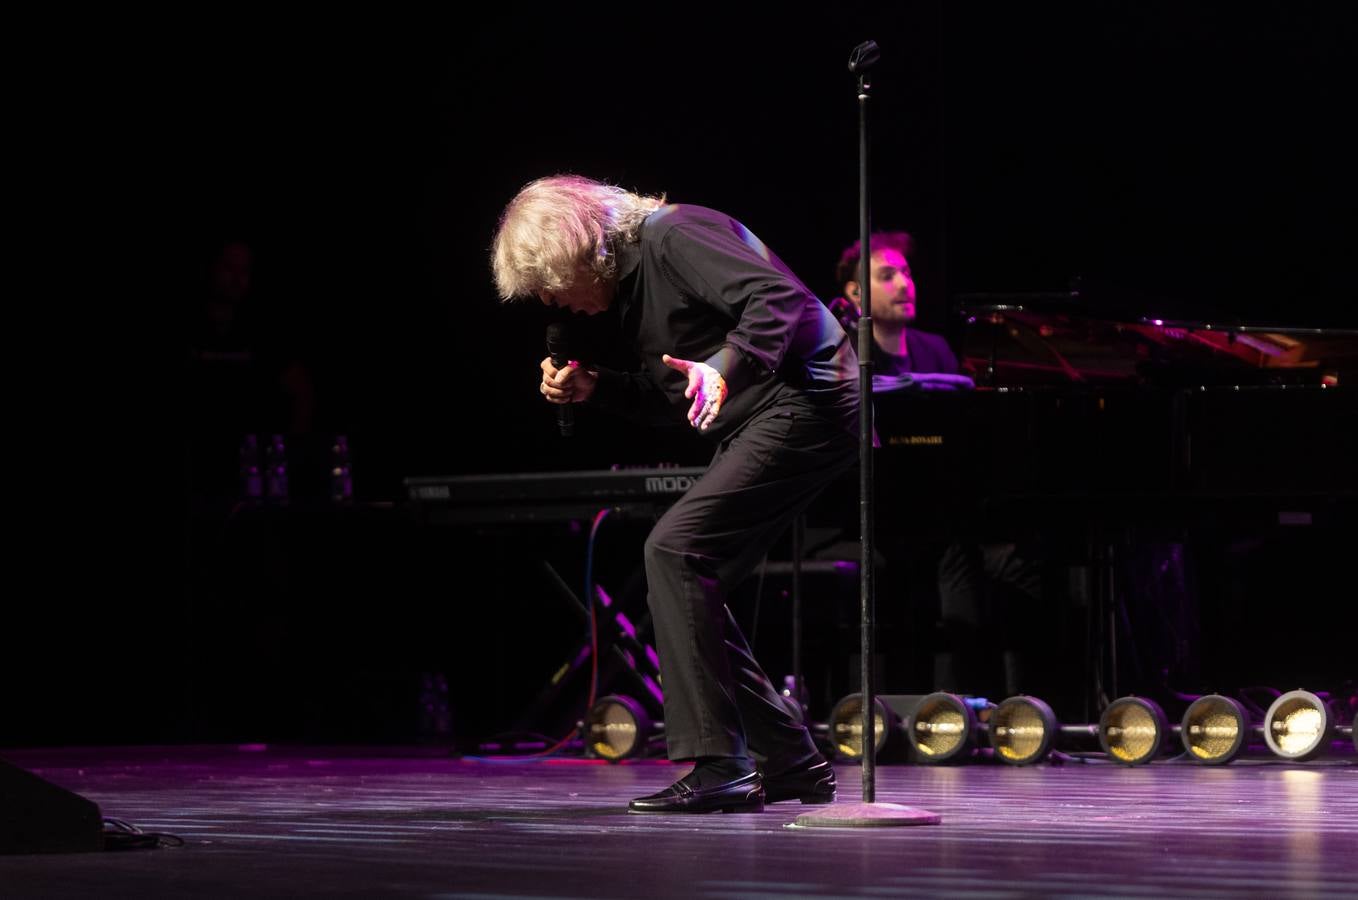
(276, 470)
(435, 720)
(341, 474)
(251, 482)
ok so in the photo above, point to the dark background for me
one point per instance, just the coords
(1198, 158)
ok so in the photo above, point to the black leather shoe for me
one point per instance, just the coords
(811, 782)
(743, 794)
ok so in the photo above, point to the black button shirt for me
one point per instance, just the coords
(699, 285)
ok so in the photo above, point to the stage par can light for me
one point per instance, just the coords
(1132, 730)
(1297, 726)
(618, 727)
(1022, 730)
(942, 729)
(846, 726)
(1214, 729)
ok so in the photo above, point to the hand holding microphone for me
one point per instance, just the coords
(563, 380)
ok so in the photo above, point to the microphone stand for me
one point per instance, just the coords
(869, 813)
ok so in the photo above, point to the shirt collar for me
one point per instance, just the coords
(629, 257)
(628, 262)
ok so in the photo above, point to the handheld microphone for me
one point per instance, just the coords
(557, 349)
(864, 57)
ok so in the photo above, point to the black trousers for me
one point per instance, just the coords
(990, 609)
(718, 701)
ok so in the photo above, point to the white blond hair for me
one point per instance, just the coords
(562, 228)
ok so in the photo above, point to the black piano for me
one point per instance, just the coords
(1197, 479)
(1129, 417)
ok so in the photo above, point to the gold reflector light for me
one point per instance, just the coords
(1132, 730)
(617, 727)
(1297, 726)
(846, 726)
(1022, 730)
(1214, 729)
(942, 728)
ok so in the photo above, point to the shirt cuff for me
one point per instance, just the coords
(733, 366)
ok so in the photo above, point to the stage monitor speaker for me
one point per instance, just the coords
(36, 816)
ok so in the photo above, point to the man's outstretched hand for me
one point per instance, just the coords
(706, 388)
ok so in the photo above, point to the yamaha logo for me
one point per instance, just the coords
(668, 484)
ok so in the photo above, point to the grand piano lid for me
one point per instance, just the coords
(1062, 338)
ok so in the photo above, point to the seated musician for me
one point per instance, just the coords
(981, 585)
(904, 356)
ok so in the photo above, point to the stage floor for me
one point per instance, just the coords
(287, 821)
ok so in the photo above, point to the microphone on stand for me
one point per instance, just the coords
(557, 349)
